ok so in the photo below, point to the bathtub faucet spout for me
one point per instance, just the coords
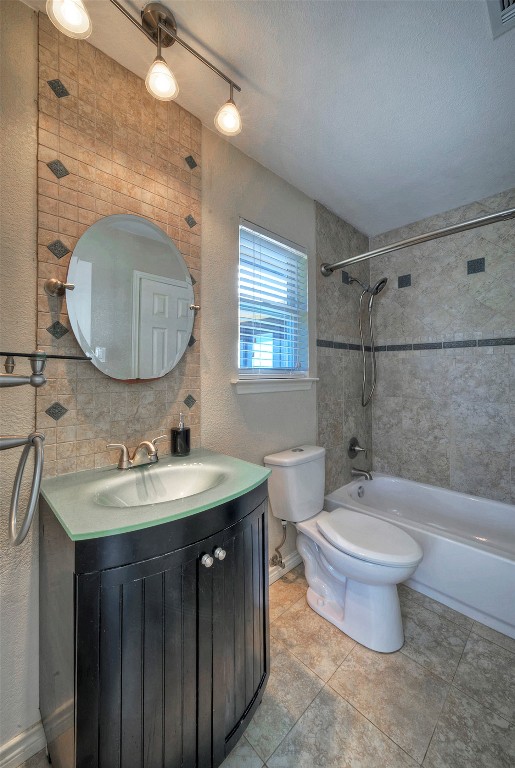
(363, 473)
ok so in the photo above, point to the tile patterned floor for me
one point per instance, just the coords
(445, 700)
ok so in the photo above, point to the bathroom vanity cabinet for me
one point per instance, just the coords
(152, 654)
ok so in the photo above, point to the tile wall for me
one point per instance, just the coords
(339, 410)
(444, 411)
(106, 147)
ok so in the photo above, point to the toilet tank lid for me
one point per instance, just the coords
(293, 456)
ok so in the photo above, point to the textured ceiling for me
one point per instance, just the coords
(385, 111)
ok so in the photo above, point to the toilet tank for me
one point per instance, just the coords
(296, 485)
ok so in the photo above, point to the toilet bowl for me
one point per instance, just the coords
(353, 562)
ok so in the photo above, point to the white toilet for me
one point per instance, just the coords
(353, 561)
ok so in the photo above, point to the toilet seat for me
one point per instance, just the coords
(368, 538)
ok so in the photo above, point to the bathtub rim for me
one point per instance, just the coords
(347, 501)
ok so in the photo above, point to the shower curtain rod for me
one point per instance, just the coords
(328, 269)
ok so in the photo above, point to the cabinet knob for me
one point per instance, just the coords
(207, 561)
(220, 553)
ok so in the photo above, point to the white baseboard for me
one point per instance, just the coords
(22, 747)
(290, 561)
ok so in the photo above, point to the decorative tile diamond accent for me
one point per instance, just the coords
(192, 340)
(404, 281)
(58, 88)
(56, 411)
(475, 265)
(193, 281)
(189, 401)
(191, 161)
(58, 249)
(57, 330)
(58, 169)
(190, 221)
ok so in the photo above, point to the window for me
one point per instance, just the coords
(273, 306)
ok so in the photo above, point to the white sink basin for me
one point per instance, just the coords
(157, 484)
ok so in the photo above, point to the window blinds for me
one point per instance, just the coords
(273, 305)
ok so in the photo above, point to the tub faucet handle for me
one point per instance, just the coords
(355, 448)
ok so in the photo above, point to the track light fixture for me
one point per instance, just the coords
(227, 119)
(160, 80)
(158, 25)
(70, 17)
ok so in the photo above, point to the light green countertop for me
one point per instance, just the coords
(107, 501)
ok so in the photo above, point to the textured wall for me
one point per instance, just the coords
(18, 567)
(340, 413)
(126, 153)
(447, 415)
(246, 426)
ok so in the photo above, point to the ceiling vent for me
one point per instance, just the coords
(502, 15)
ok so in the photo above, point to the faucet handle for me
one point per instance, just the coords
(124, 461)
(157, 439)
(355, 448)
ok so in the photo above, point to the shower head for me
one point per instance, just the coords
(378, 287)
(372, 289)
(355, 280)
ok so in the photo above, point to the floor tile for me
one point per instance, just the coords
(242, 756)
(495, 637)
(316, 642)
(290, 690)
(332, 734)
(396, 694)
(286, 591)
(487, 673)
(432, 641)
(470, 736)
(406, 595)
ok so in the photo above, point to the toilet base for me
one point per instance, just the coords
(371, 615)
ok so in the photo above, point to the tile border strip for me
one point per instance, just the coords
(503, 341)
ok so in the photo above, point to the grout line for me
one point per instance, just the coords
(374, 725)
(461, 655)
(468, 695)
(493, 642)
(437, 721)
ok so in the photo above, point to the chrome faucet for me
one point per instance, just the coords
(363, 473)
(145, 453)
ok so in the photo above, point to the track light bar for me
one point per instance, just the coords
(159, 27)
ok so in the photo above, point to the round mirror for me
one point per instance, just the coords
(131, 307)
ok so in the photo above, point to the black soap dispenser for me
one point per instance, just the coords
(180, 438)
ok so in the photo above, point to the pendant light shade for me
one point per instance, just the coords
(228, 119)
(70, 17)
(160, 81)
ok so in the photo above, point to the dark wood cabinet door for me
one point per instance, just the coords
(147, 690)
(240, 628)
(172, 653)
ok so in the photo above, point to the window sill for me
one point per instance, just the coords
(258, 386)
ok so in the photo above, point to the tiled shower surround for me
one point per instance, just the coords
(444, 407)
(446, 415)
(340, 415)
(106, 147)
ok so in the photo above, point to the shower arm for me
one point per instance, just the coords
(328, 269)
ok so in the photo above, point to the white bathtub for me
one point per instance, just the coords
(468, 543)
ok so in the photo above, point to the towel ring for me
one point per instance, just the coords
(34, 440)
